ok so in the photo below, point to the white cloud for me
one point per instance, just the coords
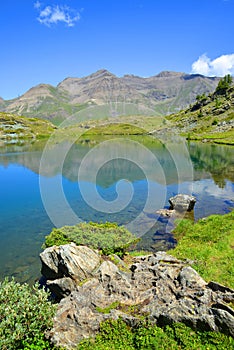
(218, 67)
(45, 14)
(49, 15)
(37, 5)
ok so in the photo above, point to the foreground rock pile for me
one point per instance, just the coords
(159, 287)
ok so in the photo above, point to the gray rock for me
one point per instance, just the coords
(67, 265)
(61, 287)
(219, 287)
(188, 277)
(50, 263)
(182, 202)
(157, 286)
(114, 281)
(224, 318)
(78, 262)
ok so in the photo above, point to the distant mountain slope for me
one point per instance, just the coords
(162, 94)
(210, 118)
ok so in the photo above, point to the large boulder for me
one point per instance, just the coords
(66, 265)
(158, 286)
(182, 202)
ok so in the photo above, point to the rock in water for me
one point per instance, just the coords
(182, 202)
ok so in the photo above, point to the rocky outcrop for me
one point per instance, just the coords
(158, 286)
(66, 266)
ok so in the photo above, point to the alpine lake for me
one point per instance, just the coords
(117, 179)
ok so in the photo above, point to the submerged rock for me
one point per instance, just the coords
(159, 287)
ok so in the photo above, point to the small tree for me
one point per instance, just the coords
(224, 84)
(201, 98)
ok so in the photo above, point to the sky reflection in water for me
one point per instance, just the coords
(24, 221)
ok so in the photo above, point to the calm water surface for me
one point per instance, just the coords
(206, 171)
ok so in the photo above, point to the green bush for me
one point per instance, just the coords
(117, 335)
(25, 316)
(215, 122)
(108, 237)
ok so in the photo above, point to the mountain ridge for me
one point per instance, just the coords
(163, 94)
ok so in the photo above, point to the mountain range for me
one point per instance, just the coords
(103, 94)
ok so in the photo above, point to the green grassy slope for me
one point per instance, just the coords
(15, 129)
(211, 118)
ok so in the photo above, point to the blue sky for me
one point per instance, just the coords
(47, 41)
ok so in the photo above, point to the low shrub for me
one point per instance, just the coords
(108, 237)
(25, 316)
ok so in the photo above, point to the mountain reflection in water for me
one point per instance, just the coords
(204, 170)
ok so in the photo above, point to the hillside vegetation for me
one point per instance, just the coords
(211, 117)
(15, 129)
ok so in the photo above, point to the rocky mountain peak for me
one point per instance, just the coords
(38, 90)
(103, 87)
(131, 76)
(168, 74)
(100, 74)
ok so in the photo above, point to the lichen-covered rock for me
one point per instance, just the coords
(158, 286)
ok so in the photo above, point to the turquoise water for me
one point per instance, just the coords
(27, 197)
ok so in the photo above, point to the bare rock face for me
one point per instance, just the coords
(159, 286)
(182, 202)
(67, 265)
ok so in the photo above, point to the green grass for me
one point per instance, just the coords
(225, 138)
(116, 129)
(210, 244)
(18, 128)
(116, 335)
(107, 309)
(96, 132)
